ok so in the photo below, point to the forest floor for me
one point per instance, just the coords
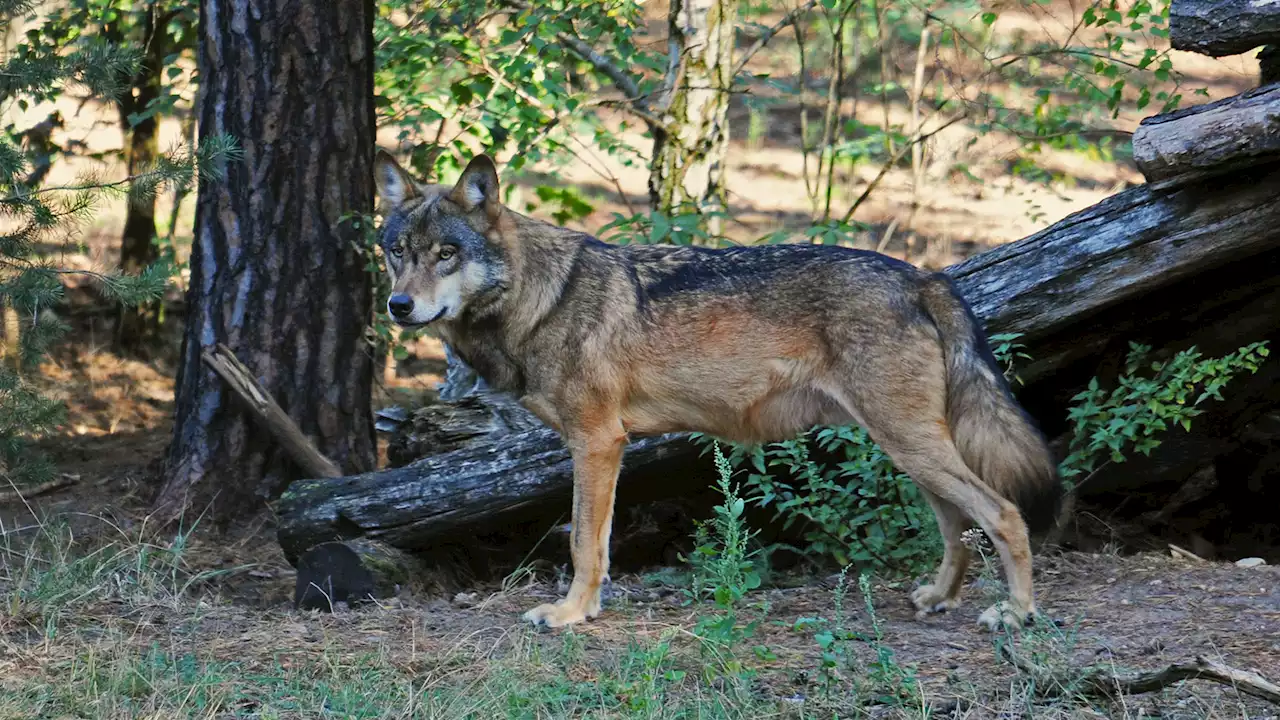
(100, 619)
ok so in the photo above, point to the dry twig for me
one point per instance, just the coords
(1185, 554)
(286, 432)
(26, 493)
(1109, 683)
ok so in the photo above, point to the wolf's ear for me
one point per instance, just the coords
(478, 187)
(395, 186)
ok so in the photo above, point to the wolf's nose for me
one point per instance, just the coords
(400, 305)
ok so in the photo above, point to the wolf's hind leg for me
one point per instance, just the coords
(943, 593)
(936, 466)
(908, 419)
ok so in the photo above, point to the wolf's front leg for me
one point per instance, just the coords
(597, 457)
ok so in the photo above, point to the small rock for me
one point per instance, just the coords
(464, 599)
(1250, 562)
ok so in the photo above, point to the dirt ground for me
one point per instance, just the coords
(235, 611)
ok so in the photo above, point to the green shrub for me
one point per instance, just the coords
(861, 510)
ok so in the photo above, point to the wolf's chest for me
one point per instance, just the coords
(489, 359)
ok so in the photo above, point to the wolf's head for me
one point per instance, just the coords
(442, 244)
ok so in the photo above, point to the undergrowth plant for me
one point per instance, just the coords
(861, 510)
(1150, 398)
(858, 509)
(880, 681)
(724, 569)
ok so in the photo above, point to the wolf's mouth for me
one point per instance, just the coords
(422, 324)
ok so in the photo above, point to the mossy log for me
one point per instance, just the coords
(352, 571)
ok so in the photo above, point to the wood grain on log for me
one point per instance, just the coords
(1210, 140)
(1223, 27)
(440, 427)
(408, 507)
(1127, 245)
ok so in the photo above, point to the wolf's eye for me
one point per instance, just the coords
(397, 251)
(446, 252)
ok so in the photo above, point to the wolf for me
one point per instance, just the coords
(752, 344)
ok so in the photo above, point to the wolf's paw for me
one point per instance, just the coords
(1005, 614)
(565, 612)
(930, 599)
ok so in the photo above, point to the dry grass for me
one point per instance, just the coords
(100, 618)
(108, 623)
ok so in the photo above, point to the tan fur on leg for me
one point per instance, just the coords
(597, 458)
(944, 593)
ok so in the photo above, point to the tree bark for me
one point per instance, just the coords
(1196, 265)
(275, 272)
(1209, 140)
(1223, 27)
(691, 151)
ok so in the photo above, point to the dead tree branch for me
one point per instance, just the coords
(1104, 682)
(768, 34)
(282, 427)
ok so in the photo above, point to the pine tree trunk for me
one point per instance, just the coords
(275, 271)
(689, 157)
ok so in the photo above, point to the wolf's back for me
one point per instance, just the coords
(996, 437)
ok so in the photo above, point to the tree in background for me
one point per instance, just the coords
(528, 87)
(547, 81)
(39, 219)
(278, 271)
(161, 32)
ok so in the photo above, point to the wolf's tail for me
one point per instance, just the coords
(997, 438)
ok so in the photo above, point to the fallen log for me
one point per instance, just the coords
(1223, 27)
(1113, 254)
(1132, 267)
(1205, 141)
(478, 417)
(455, 492)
